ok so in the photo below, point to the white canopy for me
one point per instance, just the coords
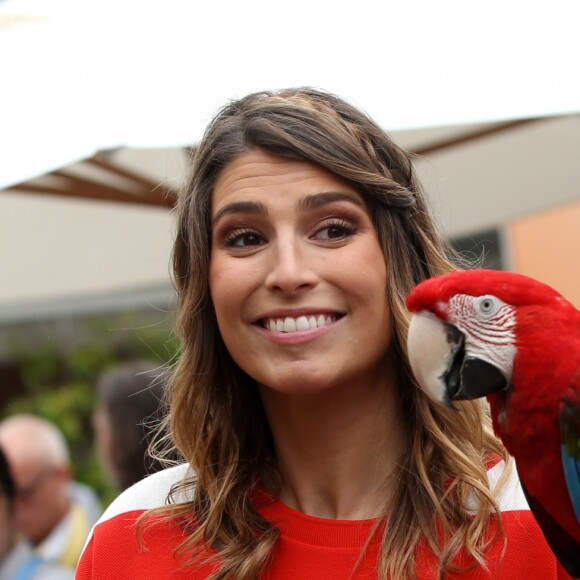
(78, 78)
(140, 73)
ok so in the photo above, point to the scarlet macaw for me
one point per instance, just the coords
(515, 341)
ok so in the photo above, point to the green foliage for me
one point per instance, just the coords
(59, 383)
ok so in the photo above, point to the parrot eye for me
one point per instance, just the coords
(487, 305)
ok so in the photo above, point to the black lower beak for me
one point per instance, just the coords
(452, 376)
(468, 377)
(479, 379)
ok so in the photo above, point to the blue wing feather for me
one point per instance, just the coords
(572, 473)
(570, 433)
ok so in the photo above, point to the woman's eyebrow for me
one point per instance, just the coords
(315, 200)
(248, 207)
(309, 202)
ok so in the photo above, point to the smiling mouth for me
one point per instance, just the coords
(300, 323)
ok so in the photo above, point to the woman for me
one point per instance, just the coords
(315, 456)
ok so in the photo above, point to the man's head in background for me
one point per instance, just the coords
(7, 494)
(40, 465)
(129, 405)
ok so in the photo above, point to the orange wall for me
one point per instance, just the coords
(546, 246)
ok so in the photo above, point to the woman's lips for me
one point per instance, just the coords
(297, 329)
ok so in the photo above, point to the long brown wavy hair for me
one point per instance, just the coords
(216, 418)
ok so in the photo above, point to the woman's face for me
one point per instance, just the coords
(297, 276)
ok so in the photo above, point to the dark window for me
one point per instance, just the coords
(482, 248)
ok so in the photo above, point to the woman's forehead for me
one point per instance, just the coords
(258, 172)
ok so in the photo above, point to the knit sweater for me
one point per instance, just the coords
(308, 548)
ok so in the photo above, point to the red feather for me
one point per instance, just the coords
(512, 288)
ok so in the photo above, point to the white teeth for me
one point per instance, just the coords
(301, 323)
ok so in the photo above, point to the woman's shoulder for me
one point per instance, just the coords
(504, 481)
(119, 547)
(151, 492)
(504, 484)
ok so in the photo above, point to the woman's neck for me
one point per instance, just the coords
(336, 449)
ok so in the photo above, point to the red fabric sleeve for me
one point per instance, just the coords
(85, 566)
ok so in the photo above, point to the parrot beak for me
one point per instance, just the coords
(441, 365)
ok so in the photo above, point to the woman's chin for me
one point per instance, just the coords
(301, 384)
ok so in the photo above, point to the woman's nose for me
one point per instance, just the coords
(290, 269)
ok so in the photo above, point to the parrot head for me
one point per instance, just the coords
(462, 335)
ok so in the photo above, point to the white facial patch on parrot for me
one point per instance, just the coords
(488, 324)
(429, 353)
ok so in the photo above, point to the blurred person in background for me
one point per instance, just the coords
(17, 558)
(129, 406)
(54, 513)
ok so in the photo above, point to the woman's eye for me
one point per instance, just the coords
(335, 231)
(244, 239)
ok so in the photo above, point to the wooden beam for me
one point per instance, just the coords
(73, 186)
(472, 136)
(31, 187)
(102, 161)
(97, 190)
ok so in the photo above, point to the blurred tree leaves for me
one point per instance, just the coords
(59, 382)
